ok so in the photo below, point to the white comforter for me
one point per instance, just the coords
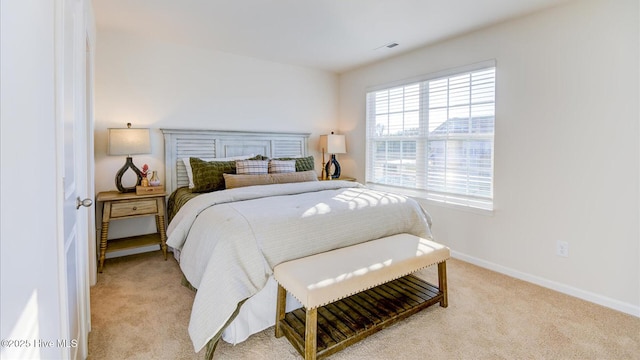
(230, 240)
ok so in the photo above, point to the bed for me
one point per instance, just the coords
(228, 241)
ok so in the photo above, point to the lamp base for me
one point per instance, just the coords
(128, 165)
(336, 168)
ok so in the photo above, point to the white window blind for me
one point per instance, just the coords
(435, 137)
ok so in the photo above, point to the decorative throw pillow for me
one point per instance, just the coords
(187, 164)
(302, 163)
(232, 181)
(252, 167)
(282, 166)
(300, 176)
(242, 180)
(207, 175)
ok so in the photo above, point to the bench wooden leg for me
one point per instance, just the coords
(442, 283)
(310, 334)
(280, 309)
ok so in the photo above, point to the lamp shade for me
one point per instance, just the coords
(333, 144)
(129, 141)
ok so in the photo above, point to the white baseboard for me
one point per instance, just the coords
(565, 289)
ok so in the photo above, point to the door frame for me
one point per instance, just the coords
(90, 43)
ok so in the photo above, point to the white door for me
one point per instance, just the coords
(72, 127)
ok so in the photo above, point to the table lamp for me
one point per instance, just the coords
(129, 142)
(332, 144)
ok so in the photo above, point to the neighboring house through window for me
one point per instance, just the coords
(433, 136)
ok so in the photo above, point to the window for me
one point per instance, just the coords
(434, 136)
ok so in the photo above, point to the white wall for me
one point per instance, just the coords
(30, 303)
(156, 84)
(566, 147)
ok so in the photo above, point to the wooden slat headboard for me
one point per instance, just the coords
(210, 144)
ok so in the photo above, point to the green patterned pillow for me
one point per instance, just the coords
(207, 175)
(303, 163)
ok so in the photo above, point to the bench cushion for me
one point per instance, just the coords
(324, 278)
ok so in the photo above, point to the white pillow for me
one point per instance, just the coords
(187, 164)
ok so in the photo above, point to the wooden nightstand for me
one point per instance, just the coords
(116, 205)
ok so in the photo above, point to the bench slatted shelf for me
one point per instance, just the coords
(326, 325)
(358, 325)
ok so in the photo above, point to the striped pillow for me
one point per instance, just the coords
(282, 166)
(252, 167)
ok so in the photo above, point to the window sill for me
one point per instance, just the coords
(422, 195)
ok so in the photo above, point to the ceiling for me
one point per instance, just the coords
(332, 35)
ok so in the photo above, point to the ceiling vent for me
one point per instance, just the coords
(388, 45)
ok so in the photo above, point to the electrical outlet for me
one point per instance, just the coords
(562, 248)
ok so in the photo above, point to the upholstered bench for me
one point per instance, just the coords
(352, 292)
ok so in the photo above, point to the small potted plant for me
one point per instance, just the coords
(143, 172)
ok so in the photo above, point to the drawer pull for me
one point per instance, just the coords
(135, 208)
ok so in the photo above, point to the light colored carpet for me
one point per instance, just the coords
(140, 310)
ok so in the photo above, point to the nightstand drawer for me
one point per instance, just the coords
(132, 208)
